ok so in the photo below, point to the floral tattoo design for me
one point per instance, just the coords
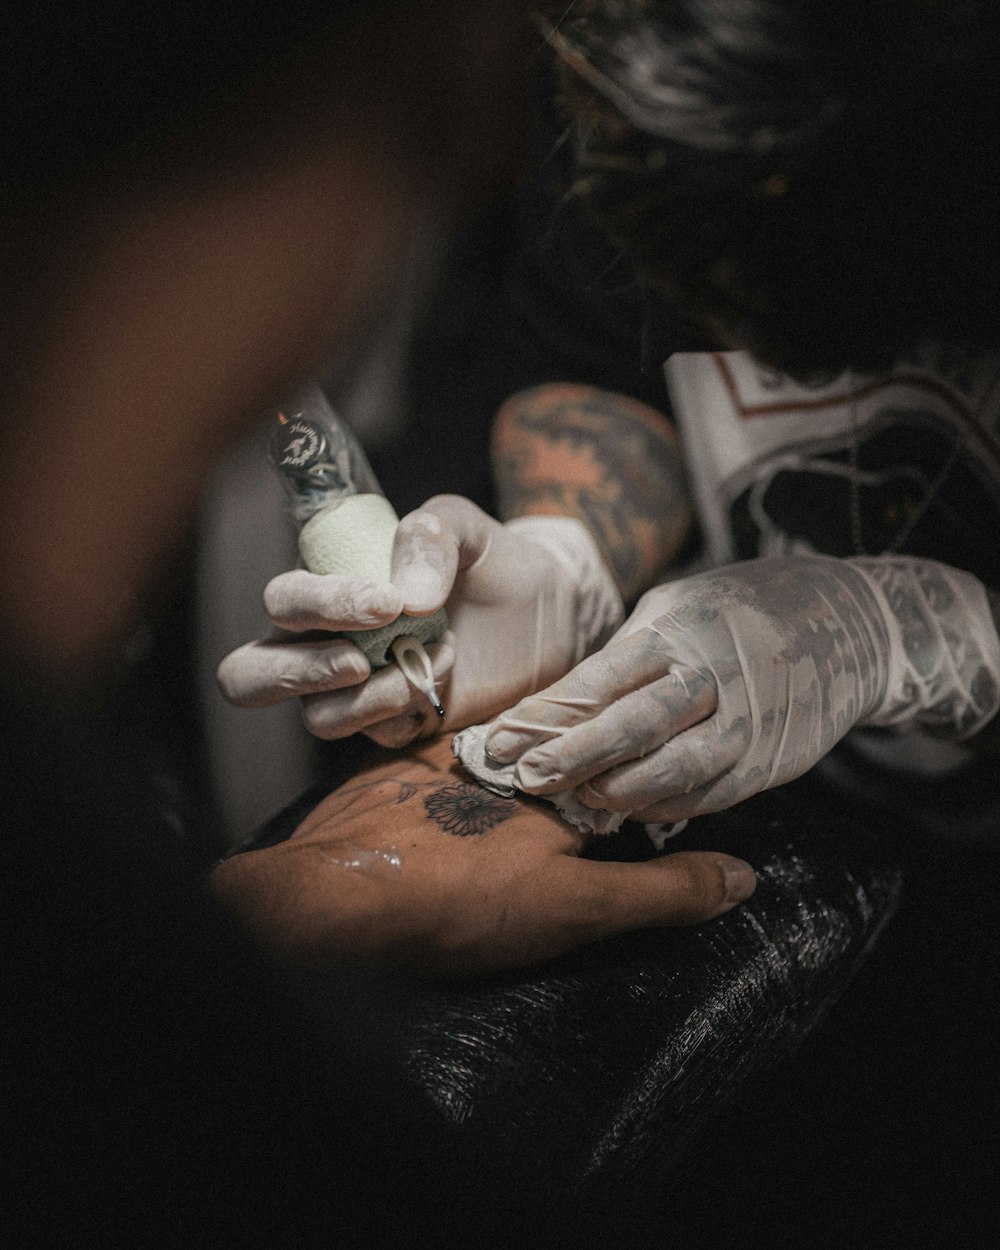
(465, 810)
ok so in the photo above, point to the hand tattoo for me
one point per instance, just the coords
(466, 810)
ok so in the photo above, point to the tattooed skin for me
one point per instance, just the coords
(393, 791)
(604, 458)
(466, 810)
(454, 805)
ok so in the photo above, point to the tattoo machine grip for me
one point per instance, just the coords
(347, 524)
(355, 537)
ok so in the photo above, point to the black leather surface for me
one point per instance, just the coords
(570, 1094)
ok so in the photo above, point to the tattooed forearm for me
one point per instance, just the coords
(462, 809)
(604, 458)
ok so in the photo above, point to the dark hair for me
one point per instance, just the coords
(817, 182)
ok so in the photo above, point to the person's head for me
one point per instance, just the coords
(818, 182)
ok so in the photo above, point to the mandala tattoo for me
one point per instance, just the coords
(465, 810)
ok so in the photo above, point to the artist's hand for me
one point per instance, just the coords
(410, 865)
(526, 600)
(731, 682)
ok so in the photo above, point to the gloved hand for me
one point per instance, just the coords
(526, 600)
(733, 681)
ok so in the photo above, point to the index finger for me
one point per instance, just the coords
(301, 601)
(619, 668)
(635, 725)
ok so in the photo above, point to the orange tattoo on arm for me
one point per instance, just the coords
(610, 461)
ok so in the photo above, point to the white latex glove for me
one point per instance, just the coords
(733, 681)
(526, 600)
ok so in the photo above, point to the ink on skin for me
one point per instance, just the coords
(465, 810)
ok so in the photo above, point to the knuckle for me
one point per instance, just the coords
(322, 722)
(290, 683)
(312, 672)
(343, 665)
(371, 602)
(699, 685)
(699, 885)
(604, 797)
(651, 599)
(643, 650)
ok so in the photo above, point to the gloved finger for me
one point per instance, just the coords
(632, 727)
(432, 543)
(716, 797)
(299, 601)
(424, 561)
(419, 719)
(260, 674)
(624, 665)
(385, 695)
(726, 789)
(691, 761)
(684, 888)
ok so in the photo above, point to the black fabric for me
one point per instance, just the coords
(163, 1087)
(883, 1133)
(160, 1084)
(609, 1071)
(882, 1130)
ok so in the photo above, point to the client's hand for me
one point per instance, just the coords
(411, 865)
(727, 683)
(526, 601)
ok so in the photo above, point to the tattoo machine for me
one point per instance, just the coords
(347, 526)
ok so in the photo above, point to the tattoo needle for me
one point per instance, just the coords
(416, 666)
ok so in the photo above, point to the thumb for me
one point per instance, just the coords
(685, 888)
(432, 543)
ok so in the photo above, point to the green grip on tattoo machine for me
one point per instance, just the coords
(348, 526)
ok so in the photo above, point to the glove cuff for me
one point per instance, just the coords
(944, 670)
(599, 606)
